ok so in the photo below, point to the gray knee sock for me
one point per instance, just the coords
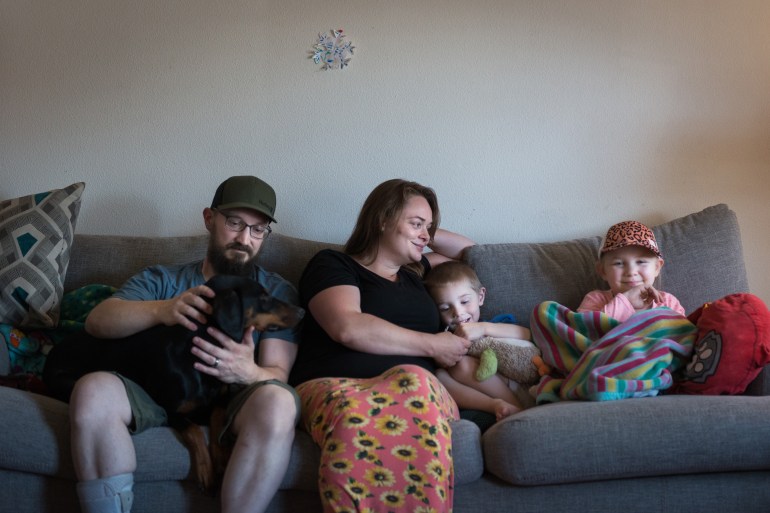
(112, 494)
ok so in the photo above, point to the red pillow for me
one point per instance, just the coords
(732, 347)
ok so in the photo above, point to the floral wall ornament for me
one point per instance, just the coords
(331, 51)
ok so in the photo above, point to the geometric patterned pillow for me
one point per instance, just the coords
(36, 234)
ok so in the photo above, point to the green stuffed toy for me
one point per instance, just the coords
(510, 357)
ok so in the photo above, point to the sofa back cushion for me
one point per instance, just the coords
(111, 259)
(703, 255)
(702, 252)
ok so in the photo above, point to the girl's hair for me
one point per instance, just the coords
(452, 272)
(382, 207)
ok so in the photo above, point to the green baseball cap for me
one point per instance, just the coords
(245, 192)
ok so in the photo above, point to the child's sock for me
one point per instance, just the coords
(112, 494)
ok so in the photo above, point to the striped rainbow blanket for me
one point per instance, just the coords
(595, 357)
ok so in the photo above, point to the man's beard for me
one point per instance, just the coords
(224, 265)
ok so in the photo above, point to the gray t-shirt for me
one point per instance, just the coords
(167, 281)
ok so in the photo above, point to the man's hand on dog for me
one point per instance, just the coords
(231, 363)
(190, 304)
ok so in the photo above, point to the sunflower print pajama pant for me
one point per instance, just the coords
(386, 442)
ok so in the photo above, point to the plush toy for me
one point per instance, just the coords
(510, 357)
(732, 347)
(543, 369)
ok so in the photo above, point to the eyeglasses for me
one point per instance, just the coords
(236, 224)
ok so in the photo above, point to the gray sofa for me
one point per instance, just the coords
(668, 453)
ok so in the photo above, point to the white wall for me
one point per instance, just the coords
(534, 120)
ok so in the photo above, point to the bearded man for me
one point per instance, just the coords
(106, 409)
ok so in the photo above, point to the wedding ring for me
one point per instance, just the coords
(216, 362)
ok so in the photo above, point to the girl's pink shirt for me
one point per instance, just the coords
(619, 307)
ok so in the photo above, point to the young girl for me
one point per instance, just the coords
(600, 352)
(457, 291)
(629, 261)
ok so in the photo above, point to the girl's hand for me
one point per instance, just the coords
(641, 297)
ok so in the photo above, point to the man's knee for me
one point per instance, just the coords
(97, 395)
(272, 404)
(277, 399)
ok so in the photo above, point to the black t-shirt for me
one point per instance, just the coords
(404, 302)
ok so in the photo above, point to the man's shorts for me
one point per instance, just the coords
(146, 413)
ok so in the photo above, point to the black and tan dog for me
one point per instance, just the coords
(160, 361)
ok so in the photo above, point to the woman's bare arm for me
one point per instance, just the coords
(338, 311)
(447, 245)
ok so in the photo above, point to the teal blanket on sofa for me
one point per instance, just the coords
(28, 348)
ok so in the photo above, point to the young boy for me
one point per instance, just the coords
(458, 293)
(629, 261)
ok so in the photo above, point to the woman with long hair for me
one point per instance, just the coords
(370, 343)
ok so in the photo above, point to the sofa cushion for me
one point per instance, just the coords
(36, 233)
(576, 441)
(466, 452)
(111, 259)
(518, 276)
(694, 246)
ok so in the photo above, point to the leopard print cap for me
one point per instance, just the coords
(629, 233)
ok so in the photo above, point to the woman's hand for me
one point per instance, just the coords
(450, 349)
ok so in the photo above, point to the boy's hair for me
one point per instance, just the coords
(452, 272)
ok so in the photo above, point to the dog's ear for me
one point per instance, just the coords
(228, 313)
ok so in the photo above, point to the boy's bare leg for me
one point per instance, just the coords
(496, 386)
(470, 398)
